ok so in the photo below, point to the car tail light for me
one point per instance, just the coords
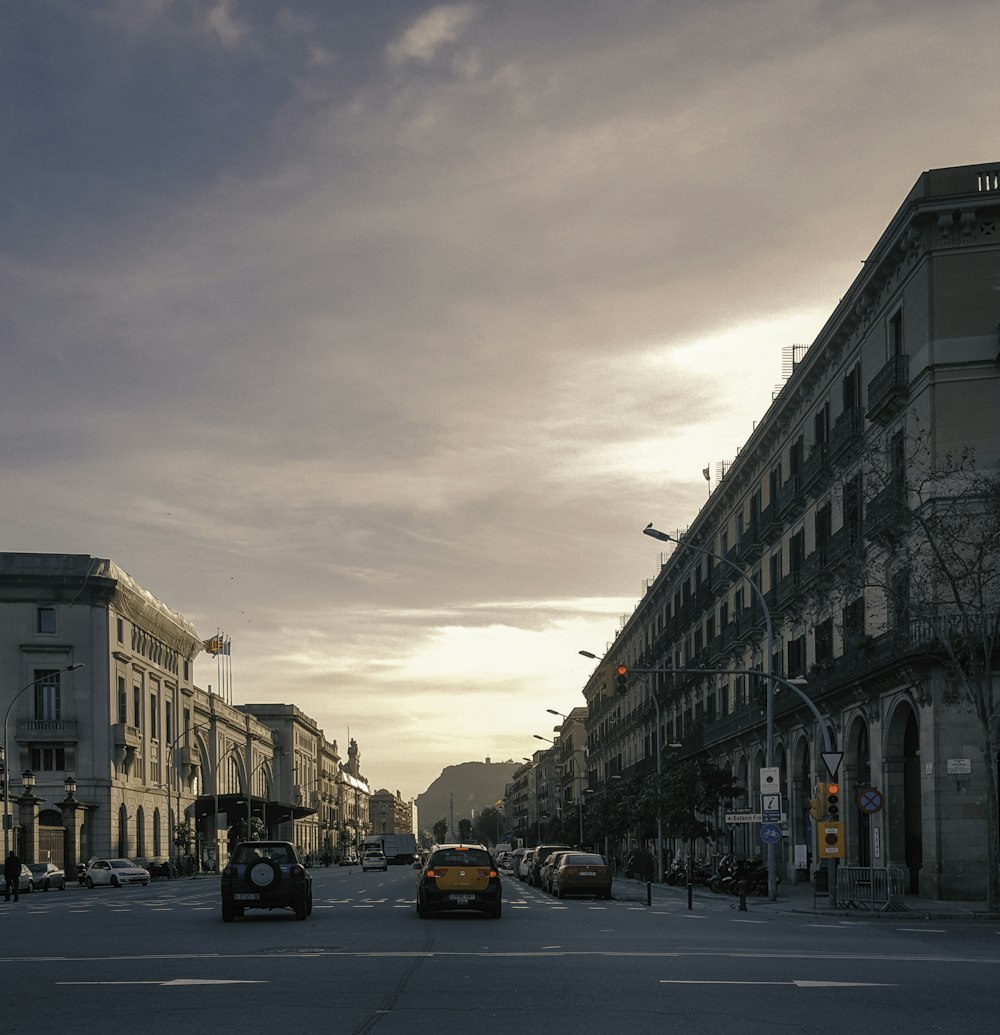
(297, 870)
(229, 871)
(436, 873)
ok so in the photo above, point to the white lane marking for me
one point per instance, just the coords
(174, 982)
(796, 984)
(736, 921)
(924, 930)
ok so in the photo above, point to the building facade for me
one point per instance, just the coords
(110, 747)
(903, 375)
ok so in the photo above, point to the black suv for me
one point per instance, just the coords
(265, 875)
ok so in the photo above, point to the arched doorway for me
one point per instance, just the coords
(904, 831)
(51, 837)
(140, 832)
(157, 845)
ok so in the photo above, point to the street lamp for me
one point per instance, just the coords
(6, 757)
(772, 878)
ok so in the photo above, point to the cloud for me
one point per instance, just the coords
(423, 40)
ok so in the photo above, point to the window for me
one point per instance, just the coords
(854, 623)
(852, 509)
(46, 620)
(823, 637)
(137, 707)
(48, 758)
(121, 630)
(796, 551)
(153, 709)
(48, 696)
(796, 657)
(821, 425)
(852, 388)
(168, 721)
(896, 334)
(775, 568)
(122, 702)
(824, 526)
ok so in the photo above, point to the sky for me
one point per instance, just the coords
(373, 334)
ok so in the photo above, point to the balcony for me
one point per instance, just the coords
(789, 496)
(814, 467)
(786, 589)
(768, 524)
(58, 731)
(886, 514)
(888, 390)
(128, 737)
(845, 433)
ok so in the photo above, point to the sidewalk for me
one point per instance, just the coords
(800, 898)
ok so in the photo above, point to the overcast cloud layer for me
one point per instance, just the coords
(373, 334)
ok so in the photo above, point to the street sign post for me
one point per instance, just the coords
(870, 800)
(770, 833)
(770, 807)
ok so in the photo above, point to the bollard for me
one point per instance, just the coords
(649, 893)
(743, 896)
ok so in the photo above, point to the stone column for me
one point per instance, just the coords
(27, 809)
(70, 809)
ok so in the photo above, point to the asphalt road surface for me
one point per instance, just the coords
(159, 959)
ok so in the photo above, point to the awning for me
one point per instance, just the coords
(235, 808)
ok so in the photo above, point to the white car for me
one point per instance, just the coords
(115, 872)
(374, 861)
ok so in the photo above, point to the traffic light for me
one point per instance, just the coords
(833, 801)
(816, 804)
(621, 679)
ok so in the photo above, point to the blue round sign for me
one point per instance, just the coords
(770, 833)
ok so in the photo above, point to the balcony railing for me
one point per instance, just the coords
(813, 467)
(789, 496)
(845, 433)
(888, 389)
(59, 730)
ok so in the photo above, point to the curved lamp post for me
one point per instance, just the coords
(772, 879)
(6, 759)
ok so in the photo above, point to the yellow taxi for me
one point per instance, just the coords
(459, 877)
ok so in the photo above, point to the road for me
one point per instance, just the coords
(159, 959)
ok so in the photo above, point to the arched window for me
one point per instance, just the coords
(157, 845)
(140, 831)
(123, 831)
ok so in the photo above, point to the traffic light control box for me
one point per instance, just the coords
(830, 840)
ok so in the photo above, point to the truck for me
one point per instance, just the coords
(398, 849)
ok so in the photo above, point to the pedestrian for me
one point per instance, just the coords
(11, 876)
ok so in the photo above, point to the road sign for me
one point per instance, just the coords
(742, 817)
(870, 799)
(770, 833)
(832, 760)
(769, 778)
(770, 807)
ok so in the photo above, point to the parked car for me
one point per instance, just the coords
(265, 875)
(538, 856)
(580, 873)
(548, 868)
(348, 860)
(459, 877)
(47, 875)
(524, 865)
(115, 872)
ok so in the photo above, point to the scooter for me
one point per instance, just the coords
(724, 872)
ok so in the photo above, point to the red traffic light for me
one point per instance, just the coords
(621, 679)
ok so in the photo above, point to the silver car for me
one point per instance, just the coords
(115, 872)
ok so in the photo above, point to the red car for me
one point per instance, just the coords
(581, 873)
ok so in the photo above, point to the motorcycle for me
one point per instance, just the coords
(752, 872)
(724, 872)
(677, 871)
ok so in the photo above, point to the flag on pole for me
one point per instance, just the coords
(705, 472)
(214, 645)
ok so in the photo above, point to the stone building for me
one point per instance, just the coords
(904, 373)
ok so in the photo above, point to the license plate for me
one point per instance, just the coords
(587, 873)
(245, 896)
(461, 898)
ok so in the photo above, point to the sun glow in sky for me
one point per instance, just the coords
(373, 334)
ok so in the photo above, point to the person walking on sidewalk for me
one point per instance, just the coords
(11, 876)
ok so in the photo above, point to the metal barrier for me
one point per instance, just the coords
(880, 890)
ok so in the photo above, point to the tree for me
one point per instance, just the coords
(441, 831)
(489, 824)
(687, 794)
(465, 830)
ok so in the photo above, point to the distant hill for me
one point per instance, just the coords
(474, 785)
